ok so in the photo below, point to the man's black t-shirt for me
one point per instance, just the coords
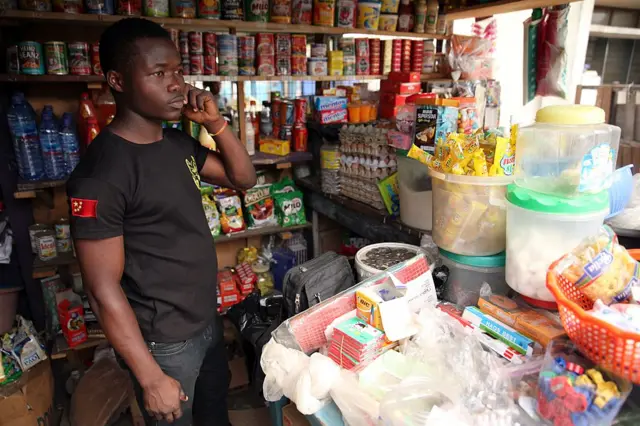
(150, 194)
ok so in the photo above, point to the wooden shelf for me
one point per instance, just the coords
(60, 347)
(17, 78)
(62, 259)
(262, 159)
(269, 230)
(501, 6)
(25, 185)
(608, 31)
(9, 17)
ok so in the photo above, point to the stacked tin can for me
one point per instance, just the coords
(318, 64)
(396, 55)
(300, 133)
(298, 54)
(196, 53)
(266, 54)
(375, 59)
(417, 55)
(227, 54)
(283, 54)
(387, 55)
(183, 48)
(348, 47)
(247, 55)
(336, 62)
(363, 64)
(406, 56)
(210, 53)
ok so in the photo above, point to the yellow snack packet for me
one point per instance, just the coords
(504, 159)
(479, 164)
(420, 155)
(457, 169)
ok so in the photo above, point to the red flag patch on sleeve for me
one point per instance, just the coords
(84, 208)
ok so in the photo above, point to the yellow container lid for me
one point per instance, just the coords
(570, 115)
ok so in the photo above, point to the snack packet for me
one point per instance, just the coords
(231, 218)
(290, 209)
(424, 157)
(285, 185)
(259, 208)
(600, 268)
(504, 158)
(211, 213)
(388, 188)
(9, 368)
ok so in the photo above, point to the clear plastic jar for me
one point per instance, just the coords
(330, 168)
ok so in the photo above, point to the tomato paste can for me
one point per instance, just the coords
(283, 44)
(196, 62)
(55, 53)
(286, 133)
(210, 65)
(265, 44)
(13, 64)
(346, 13)
(363, 65)
(256, 10)
(232, 10)
(275, 112)
(183, 43)
(298, 65)
(299, 44)
(186, 66)
(300, 137)
(96, 67)
(266, 65)
(99, 7)
(281, 11)
(79, 60)
(300, 110)
(302, 12)
(68, 6)
(362, 47)
(156, 8)
(30, 58)
(183, 9)
(286, 113)
(210, 45)
(283, 65)
(129, 7)
(209, 9)
(195, 42)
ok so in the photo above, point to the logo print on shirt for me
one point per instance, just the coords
(84, 208)
(193, 168)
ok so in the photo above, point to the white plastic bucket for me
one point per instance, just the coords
(365, 271)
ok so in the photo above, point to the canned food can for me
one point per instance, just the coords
(283, 65)
(183, 9)
(46, 244)
(209, 9)
(183, 43)
(99, 7)
(156, 8)
(227, 54)
(246, 70)
(286, 113)
(281, 11)
(210, 65)
(186, 67)
(362, 66)
(319, 50)
(317, 66)
(265, 44)
(298, 44)
(300, 111)
(62, 229)
(35, 5)
(283, 44)
(302, 12)
(256, 10)
(362, 47)
(95, 59)
(63, 245)
(266, 65)
(175, 36)
(195, 42)
(349, 65)
(55, 53)
(232, 10)
(68, 6)
(276, 131)
(298, 65)
(33, 230)
(129, 7)
(286, 133)
(300, 138)
(13, 64)
(30, 59)
(196, 63)
(79, 62)
(275, 112)
(210, 46)
(346, 13)
(246, 47)
(348, 46)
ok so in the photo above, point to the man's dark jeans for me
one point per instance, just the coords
(200, 365)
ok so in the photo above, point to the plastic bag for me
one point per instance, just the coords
(629, 218)
(551, 75)
(600, 268)
(471, 56)
(211, 213)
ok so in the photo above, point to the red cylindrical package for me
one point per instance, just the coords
(362, 65)
(265, 44)
(210, 44)
(300, 110)
(362, 47)
(283, 45)
(210, 65)
(397, 46)
(195, 42)
(298, 64)
(183, 43)
(300, 137)
(266, 65)
(374, 46)
(186, 67)
(298, 44)
(196, 63)
(95, 59)
(275, 113)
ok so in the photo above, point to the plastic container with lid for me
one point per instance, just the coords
(467, 274)
(541, 228)
(375, 258)
(568, 151)
(469, 215)
(416, 196)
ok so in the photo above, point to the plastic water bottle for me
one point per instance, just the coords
(69, 141)
(24, 132)
(51, 147)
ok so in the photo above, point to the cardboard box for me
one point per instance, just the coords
(388, 111)
(239, 373)
(527, 321)
(332, 117)
(29, 401)
(404, 77)
(389, 86)
(292, 417)
(393, 99)
(370, 300)
(500, 331)
(226, 283)
(275, 147)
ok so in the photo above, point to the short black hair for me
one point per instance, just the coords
(117, 43)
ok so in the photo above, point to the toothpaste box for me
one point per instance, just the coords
(500, 331)
(527, 321)
(329, 103)
(332, 116)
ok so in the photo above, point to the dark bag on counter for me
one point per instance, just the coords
(315, 281)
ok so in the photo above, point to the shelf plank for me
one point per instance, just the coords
(61, 348)
(61, 259)
(205, 24)
(608, 31)
(269, 230)
(263, 159)
(26, 185)
(501, 6)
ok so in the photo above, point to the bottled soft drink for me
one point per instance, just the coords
(24, 132)
(86, 111)
(266, 126)
(52, 153)
(250, 134)
(92, 130)
(69, 141)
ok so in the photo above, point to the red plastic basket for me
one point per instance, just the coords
(613, 349)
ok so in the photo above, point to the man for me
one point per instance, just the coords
(146, 254)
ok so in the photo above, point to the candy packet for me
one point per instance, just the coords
(211, 213)
(602, 269)
(259, 207)
(290, 209)
(231, 218)
(388, 188)
(504, 158)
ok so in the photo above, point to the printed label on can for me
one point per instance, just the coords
(95, 59)
(30, 58)
(156, 8)
(183, 9)
(210, 45)
(281, 11)
(346, 13)
(209, 9)
(302, 12)
(196, 63)
(257, 10)
(129, 7)
(266, 44)
(63, 245)
(100, 7)
(55, 53)
(195, 42)
(13, 64)
(68, 6)
(232, 10)
(46, 245)
(210, 65)
(79, 63)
